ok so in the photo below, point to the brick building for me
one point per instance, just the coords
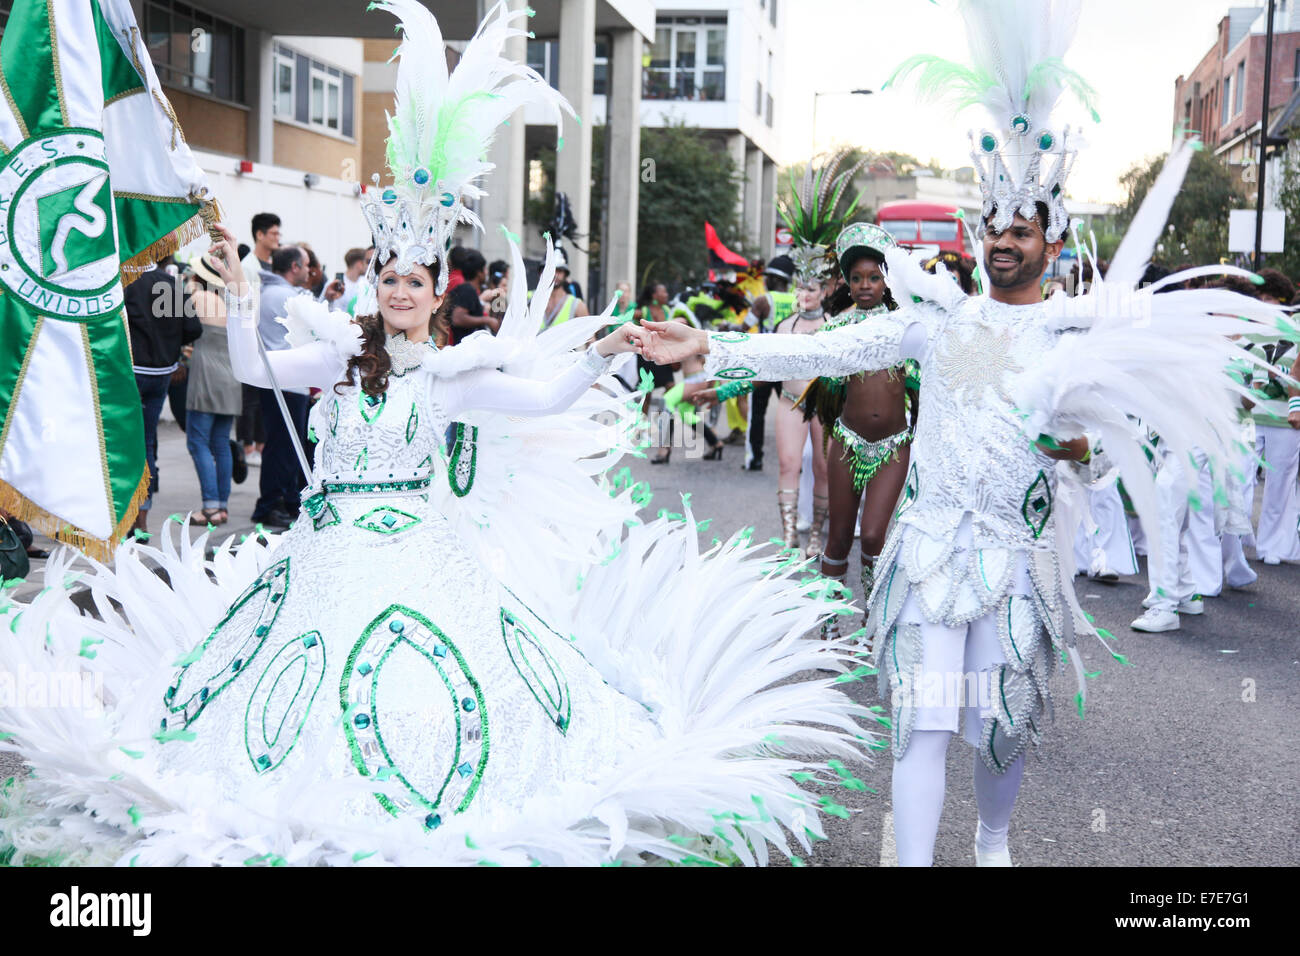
(1223, 96)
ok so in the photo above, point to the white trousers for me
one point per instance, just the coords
(1237, 572)
(1107, 532)
(1277, 538)
(1185, 560)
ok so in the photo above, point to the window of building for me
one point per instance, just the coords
(312, 93)
(1227, 101)
(192, 48)
(1295, 73)
(688, 60)
(1241, 87)
(772, 12)
(600, 82)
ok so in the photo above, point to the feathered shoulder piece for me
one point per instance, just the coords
(441, 129)
(814, 215)
(307, 320)
(1017, 73)
(909, 281)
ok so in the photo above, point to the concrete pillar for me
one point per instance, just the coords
(736, 149)
(573, 162)
(504, 203)
(623, 127)
(767, 216)
(259, 85)
(753, 196)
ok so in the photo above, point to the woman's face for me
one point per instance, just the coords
(809, 296)
(867, 283)
(661, 294)
(407, 302)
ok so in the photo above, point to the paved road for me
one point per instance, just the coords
(1186, 758)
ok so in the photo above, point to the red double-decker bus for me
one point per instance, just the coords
(931, 227)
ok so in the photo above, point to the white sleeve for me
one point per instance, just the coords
(489, 390)
(316, 365)
(878, 343)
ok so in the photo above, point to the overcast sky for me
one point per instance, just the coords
(1131, 51)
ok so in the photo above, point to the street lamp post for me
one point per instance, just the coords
(817, 96)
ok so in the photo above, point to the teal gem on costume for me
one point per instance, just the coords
(171, 692)
(1046, 141)
(420, 176)
(234, 668)
(364, 670)
(448, 200)
(988, 143)
(361, 721)
(439, 651)
(1056, 191)
(1020, 124)
(203, 694)
(1037, 506)
(389, 196)
(386, 519)
(264, 762)
(433, 821)
(310, 640)
(465, 769)
(468, 704)
(396, 626)
(262, 630)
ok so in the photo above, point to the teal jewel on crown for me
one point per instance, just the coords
(389, 196)
(989, 143)
(1046, 141)
(1020, 124)
(420, 177)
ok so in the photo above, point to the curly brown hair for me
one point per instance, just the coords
(373, 361)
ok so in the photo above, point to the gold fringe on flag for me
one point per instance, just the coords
(24, 509)
(200, 225)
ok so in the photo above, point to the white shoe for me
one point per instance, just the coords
(1150, 601)
(1000, 857)
(1155, 621)
(803, 527)
(253, 458)
(1099, 570)
(1193, 605)
(1272, 562)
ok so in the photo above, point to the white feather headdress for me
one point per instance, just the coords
(440, 131)
(1018, 74)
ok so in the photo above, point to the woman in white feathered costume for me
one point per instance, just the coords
(468, 648)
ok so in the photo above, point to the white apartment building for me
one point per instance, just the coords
(715, 66)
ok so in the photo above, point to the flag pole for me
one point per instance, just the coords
(284, 408)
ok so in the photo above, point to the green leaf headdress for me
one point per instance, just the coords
(815, 216)
(440, 130)
(1018, 74)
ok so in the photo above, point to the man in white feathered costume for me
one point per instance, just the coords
(973, 600)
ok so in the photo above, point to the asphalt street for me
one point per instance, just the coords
(1188, 757)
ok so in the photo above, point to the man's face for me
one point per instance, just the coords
(300, 275)
(1018, 256)
(314, 275)
(270, 239)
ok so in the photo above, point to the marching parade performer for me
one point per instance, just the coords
(974, 589)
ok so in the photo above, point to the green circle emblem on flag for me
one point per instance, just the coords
(58, 240)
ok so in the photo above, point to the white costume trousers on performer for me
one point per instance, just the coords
(1107, 532)
(1236, 571)
(1277, 538)
(952, 689)
(1187, 560)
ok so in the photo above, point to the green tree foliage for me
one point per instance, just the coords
(1288, 200)
(1200, 213)
(686, 178)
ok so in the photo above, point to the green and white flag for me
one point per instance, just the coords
(96, 183)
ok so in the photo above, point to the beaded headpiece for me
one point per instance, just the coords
(1017, 74)
(865, 234)
(439, 133)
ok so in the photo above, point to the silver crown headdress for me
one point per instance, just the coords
(1017, 74)
(814, 216)
(440, 130)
